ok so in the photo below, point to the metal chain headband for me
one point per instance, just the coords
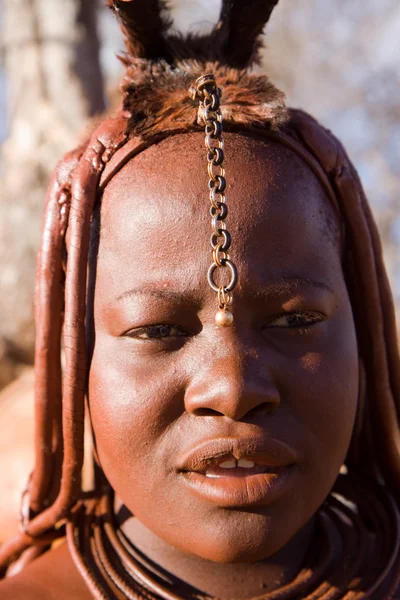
(206, 91)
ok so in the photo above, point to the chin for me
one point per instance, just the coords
(240, 537)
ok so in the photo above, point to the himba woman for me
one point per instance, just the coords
(245, 415)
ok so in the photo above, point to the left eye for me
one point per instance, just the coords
(156, 332)
(296, 320)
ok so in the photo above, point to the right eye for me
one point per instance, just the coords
(156, 332)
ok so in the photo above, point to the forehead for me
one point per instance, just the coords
(155, 221)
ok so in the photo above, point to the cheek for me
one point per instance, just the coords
(328, 409)
(130, 413)
(326, 400)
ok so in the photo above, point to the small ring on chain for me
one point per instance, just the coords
(219, 256)
(234, 276)
(210, 143)
(200, 84)
(226, 244)
(215, 176)
(221, 181)
(224, 298)
(217, 225)
(216, 158)
(222, 208)
(214, 130)
(216, 197)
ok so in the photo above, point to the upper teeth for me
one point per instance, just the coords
(246, 464)
(228, 464)
(232, 464)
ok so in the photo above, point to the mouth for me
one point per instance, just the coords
(236, 472)
(230, 467)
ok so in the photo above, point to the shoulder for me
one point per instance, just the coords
(53, 576)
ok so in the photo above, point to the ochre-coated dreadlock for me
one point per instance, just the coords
(159, 70)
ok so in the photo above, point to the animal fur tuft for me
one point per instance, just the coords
(157, 100)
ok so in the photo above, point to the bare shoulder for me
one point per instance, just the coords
(53, 576)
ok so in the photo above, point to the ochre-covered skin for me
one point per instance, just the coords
(158, 399)
(153, 400)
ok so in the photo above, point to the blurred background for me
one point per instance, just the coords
(339, 60)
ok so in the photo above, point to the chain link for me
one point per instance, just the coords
(207, 92)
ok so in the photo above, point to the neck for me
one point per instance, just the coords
(224, 581)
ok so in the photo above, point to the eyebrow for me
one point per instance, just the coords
(153, 291)
(290, 284)
(277, 288)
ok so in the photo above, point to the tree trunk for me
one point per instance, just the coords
(54, 84)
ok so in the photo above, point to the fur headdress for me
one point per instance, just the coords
(161, 65)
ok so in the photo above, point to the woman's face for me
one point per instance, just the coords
(178, 403)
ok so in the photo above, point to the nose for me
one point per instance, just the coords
(234, 382)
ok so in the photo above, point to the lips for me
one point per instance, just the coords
(233, 472)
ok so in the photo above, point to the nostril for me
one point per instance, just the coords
(265, 408)
(206, 412)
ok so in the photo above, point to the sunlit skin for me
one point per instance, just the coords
(287, 369)
(164, 378)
